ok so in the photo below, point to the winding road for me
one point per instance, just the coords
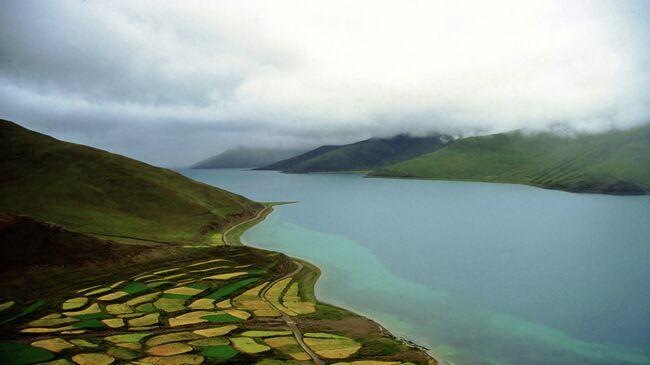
(288, 320)
(257, 216)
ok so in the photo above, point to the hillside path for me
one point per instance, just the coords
(257, 216)
(288, 320)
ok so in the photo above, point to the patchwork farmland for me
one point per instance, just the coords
(245, 307)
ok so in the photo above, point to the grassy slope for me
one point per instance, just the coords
(89, 190)
(27, 242)
(364, 155)
(247, 157)
(37, 258)
(613, 162)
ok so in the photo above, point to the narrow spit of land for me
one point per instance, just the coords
(298, 335)
(237, 230)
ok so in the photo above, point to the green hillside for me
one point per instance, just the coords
(242, 157)
(616, 162)
(88, 190)
(365, 155)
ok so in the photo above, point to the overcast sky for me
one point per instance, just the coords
(173, 83)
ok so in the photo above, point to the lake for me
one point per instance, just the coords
(478, 273)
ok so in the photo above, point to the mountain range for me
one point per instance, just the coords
(360, 156)
(246, 157)
(612, 162)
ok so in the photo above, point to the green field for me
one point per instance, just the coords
(616, 162)
(231, 288)
(111, 328)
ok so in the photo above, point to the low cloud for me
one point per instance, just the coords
(172, 83)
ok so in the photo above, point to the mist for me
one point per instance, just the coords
(172, 83)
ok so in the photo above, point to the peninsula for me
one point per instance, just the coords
(109, 260)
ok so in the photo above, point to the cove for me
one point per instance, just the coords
(479, 273)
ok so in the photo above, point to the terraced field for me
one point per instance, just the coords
(233, 309)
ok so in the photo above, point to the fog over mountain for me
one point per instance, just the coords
(173, 82)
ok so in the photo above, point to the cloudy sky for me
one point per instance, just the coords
(172, 83)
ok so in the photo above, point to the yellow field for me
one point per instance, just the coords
(274, 293)
(289, 346)
(333, 348)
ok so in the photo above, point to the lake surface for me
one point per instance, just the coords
(478, 273)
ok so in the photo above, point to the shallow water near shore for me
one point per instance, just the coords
(479, 273)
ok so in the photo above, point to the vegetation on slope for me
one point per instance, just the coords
(360, 156)
(28, 243)
(242, 157)
(88, 190)
(37, 258)
(616, 162)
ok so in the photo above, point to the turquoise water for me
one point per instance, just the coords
(478, 273)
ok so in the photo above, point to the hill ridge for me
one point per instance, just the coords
(247, 157)
(85, 189)
(360, 156)
(614, 162)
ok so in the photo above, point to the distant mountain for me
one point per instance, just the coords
(242, 157)
(360, 156)
(616, 162)
(87, 190)
(297, 160)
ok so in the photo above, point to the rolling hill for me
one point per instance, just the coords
(87, 190)
(243, 157)
(616, 162)
(360, 156)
